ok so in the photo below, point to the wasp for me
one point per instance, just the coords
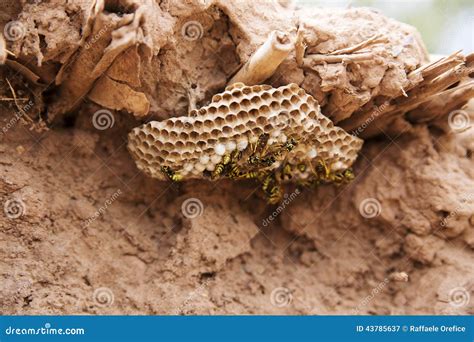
(228, 165)
(258, 150)
(322, 170)
(261, 143)
(234, 171)
(272, 189)
(173, 176)
(253, 160)
(286, 147)
(219, 170)
(348, 174)
(301, 167)
(290, 144)
(252, 175)
(267, 183)
(267, 161)
(286, 172)
(275, 195)
(236, 155)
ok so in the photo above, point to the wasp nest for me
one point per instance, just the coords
(275, 135)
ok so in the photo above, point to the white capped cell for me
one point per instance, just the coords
(276, 133)
(230, 146)
(253, 139)
(338, 166)
(242, 144)
(282, 138)
(204, 159)
(312, 153)
(188, 167)
(210, 167)
(220, 149)
(200, 167)
(215, 158)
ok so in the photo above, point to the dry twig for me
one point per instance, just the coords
(263, 63)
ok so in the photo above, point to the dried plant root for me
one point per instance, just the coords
(427, 83)
(376, 39)
(314, 59)
(442, 104)
(263, 63)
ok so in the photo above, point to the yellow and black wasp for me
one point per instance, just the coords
(272, 189)
(342, 176)
(272, 157)
(259, 149)
(322, 170)
(228, 166)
